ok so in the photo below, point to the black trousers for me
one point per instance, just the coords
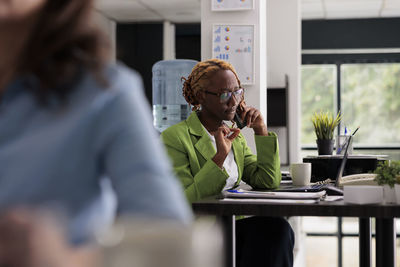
(264, 241)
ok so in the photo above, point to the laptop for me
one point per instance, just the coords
(331, 189)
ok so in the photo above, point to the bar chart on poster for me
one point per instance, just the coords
(235, 44)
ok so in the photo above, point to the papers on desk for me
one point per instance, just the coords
(333, 198)
(352, 156)
(240, 193)
(271, 200)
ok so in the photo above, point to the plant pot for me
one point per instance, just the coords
(389, 194)
(325, 146)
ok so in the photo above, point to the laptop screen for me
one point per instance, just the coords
(343, 163)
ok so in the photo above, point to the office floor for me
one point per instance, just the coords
(323, 250)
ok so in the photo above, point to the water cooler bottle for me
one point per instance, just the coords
(169, 105)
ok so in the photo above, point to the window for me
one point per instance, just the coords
(367, 94)
(370, 98)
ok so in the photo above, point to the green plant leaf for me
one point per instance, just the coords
(324, 124)
(387, 173)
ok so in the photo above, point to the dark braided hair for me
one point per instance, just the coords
(199, 79)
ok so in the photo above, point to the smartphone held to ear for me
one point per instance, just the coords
(239, 122)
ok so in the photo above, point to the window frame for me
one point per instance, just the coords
(338, 59)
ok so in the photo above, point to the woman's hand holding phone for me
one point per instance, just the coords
(224, 137)
(254, 120)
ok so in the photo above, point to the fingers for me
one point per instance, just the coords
(221, 132)
(244, 112)
(234, 132)
(252, 115)
(226, 132)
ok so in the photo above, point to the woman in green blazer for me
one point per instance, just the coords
(209, 156)
(192, 154)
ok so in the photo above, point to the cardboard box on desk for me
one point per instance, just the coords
(363, 194)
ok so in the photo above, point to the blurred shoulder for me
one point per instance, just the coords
(114, 78)
(117, 92)
(115, 82)
(120, 76)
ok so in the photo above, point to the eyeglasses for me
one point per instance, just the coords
(225, 96)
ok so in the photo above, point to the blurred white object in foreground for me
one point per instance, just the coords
(148, 243)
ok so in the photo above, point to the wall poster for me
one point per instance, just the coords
(231, 5)
(235, 44)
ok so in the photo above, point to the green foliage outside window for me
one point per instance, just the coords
(318, 89)
(371, 99)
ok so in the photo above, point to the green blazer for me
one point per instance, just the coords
(191, 151)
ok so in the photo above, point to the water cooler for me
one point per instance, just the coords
(169, 105)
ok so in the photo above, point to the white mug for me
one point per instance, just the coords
(301, 173)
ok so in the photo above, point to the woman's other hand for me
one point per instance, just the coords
(254, 120)
(224, 137)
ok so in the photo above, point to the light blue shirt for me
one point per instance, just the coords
(57, 156)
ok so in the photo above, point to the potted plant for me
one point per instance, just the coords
(324, 126)
(388, 175)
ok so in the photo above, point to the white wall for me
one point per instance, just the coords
(284, 57)
(256, 93)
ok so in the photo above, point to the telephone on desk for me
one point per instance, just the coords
(354, 179)
(358, 179)
(326, 166)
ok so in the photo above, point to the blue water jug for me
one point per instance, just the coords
(169, 105)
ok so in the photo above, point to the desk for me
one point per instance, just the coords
(384, 214)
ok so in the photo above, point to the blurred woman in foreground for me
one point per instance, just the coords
(68, 119)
